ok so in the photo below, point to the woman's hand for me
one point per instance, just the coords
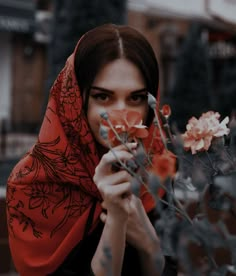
(115, 187)
(140, 232)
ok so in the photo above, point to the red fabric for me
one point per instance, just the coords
(50, 191)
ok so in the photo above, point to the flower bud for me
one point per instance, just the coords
(151, 101)
(104, 115)
(103, 132)
(166, 111)
(131, 164)
(135, 186)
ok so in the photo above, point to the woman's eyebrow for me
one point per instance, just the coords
(139, 90)
(101, 89)
(110, 91)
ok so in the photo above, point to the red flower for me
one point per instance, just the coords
(164, 165)
(127, 124)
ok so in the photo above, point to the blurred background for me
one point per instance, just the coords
(194, 41)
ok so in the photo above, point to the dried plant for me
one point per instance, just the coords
(197, 173)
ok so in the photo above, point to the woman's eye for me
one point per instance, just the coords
(139, 98)
(101, 97)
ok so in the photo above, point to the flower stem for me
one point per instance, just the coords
(179, 207)
(160, 129)
(181, 211)
(154, 135)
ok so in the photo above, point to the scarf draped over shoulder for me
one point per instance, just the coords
(51, 191)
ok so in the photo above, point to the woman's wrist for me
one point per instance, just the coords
(116, 220)
(115, 243)
(151, 246)
(152, 258)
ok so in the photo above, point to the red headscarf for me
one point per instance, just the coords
(50, 191)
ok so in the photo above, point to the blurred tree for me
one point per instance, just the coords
(227, 97)
(72, 18)
(190, 94)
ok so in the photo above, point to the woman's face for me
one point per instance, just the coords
(118, 85)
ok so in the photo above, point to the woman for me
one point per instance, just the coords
(68, 212)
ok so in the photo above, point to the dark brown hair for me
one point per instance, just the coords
(109, 42)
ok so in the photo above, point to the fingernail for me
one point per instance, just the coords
(134, 145)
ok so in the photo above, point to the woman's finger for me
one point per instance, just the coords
(115, 155)
(103, 204)
(103, 217)
(112, 180)
(120, 152)
(130, 146)
(111, 192)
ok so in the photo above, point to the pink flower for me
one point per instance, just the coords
(127, 124)
(200, 132)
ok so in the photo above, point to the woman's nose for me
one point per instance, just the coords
(120, 105)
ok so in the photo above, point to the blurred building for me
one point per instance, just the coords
(25, 33)
(23, 62)
(166, 24)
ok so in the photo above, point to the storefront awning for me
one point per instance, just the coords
(17, 15)
(221, 10)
